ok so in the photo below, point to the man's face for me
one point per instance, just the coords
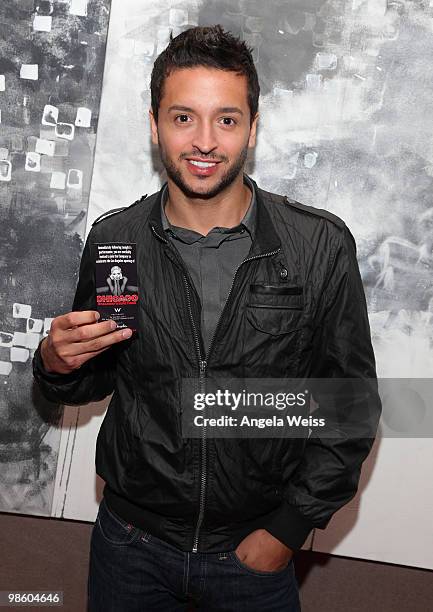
(204, 129)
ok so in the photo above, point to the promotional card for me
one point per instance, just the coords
(116, 283)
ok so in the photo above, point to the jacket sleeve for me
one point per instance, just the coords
(94, 380)
(328, 474)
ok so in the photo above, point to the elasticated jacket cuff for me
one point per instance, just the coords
(40, 373)
(289, 526)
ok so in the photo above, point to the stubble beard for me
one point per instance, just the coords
(227, 178)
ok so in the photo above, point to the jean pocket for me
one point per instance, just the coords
(255, 572)
(113, 528)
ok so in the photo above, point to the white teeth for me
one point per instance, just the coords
(202, 164)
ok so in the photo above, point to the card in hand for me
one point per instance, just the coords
(116, 283)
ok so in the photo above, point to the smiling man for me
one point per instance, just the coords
(233, 282)
(204, 142)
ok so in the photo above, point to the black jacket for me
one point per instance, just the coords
(208, 494)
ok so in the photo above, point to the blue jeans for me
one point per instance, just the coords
(131, 570)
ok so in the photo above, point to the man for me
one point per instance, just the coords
(233, 282)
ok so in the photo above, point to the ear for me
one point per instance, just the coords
(153, 127)
(253, 132)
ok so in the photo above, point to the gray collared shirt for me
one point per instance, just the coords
(212, 259)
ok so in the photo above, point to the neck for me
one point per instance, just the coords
(226, 209)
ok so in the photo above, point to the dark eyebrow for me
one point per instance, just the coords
(180, 108)
(224, 109)
(230, 109)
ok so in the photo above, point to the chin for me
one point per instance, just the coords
(201, 187)
(204, 194)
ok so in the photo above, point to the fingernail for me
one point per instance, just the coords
(97, 316)
(113, 324)
(127, 333)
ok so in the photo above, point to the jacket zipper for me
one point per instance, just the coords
(202, 368)
(202, 364)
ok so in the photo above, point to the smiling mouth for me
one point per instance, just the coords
(201, 164)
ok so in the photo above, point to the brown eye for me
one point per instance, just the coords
(182, 118)
(228, 121)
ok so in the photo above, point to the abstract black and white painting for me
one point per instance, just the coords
(51, 67)
(345, 109)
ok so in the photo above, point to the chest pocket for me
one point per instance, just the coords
(275, 309)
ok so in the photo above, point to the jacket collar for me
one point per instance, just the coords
(248, 221)
(265, 239)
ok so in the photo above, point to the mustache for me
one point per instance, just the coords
(211, 157)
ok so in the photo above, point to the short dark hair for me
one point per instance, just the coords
(205, 46)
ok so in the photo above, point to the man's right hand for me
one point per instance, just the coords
(76, 337)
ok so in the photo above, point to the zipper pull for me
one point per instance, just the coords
(203, 365)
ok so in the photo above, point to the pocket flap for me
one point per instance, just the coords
(275, 289)
(276, 296)
(275, 312)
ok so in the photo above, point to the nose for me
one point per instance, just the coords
(204, 138)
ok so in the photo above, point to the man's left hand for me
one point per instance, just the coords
(261, 551)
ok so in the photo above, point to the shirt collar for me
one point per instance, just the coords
(248, 221)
